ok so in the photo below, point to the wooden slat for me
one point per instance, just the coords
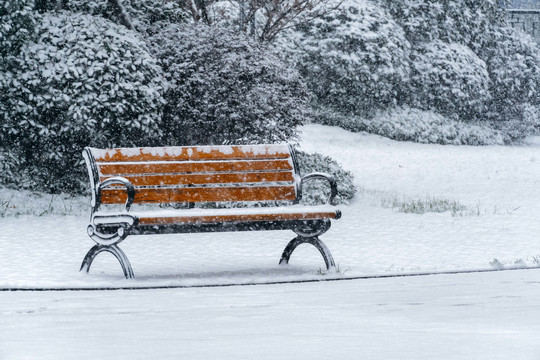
(185, 153)
(193, 167)
(179, 195)
(235, 218)
(200, 179)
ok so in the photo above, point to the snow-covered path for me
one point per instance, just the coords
(468, 316)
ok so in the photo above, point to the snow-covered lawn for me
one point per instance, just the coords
(477, 316)
(498, 189)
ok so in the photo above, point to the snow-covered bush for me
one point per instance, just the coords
(467, 63)
(224, 13)
(17, 22)
(317, 191)
(224, 88)
(454, 21)
(513, 61)
(146, 16)
(84, 81)
(450, 79)
(354, 59)
(516, 122)
(150, 16)
(409, 124)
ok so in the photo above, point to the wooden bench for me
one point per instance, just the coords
(191, 175)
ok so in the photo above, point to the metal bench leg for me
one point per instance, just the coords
(113, 249)
(313, 240)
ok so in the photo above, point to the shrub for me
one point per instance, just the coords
(147, 16)
(409, 124)
(450, 79)
(456, 58)
(84, 81)
(517, 122)
(317, 191)
(513, 62)
(466, 22)
(224, 13)
(224, 88)
(17, 22)
(355, 59)
(150, 16)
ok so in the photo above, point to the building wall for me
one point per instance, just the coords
(521, 4)
(527, 20)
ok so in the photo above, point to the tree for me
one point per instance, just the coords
(261, 19)
(224, 88)
(450, 79)
(354, 59)
(466, 22)
(513, 63)
(146, 17)
(82, 81)
(17, 22)
(115, 7)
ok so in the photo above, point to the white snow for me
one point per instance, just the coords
(128, 151)
(270, 149)
(466, 316)
(235, 211)
(128, 217)
(497, 178)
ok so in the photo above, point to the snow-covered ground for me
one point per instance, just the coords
(491, 316)
(497, 226)
(476, 316)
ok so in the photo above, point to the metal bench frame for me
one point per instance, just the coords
(107, 238)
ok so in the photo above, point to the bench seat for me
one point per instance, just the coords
(225, 215)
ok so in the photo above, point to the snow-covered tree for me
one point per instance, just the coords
(224, 88)
(354, 59)
(145, 16)
(513, 61)
(17, 22)
(453, 21)
(82, 81)
(469, 64)
(260, 19)
(449, 79)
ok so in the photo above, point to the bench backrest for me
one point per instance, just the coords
(196, 173)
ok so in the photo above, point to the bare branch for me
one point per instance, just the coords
(284, 14)
(198, 9)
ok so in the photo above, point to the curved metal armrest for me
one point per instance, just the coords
(329, 178)
(117, 180)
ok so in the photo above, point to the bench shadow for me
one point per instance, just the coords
(242, 276)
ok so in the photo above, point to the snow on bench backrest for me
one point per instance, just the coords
(196, 173)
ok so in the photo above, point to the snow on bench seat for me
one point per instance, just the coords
(190, 216)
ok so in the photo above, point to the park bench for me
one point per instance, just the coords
(192, 178)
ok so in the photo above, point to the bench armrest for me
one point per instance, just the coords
(324, 176)
(117, 180)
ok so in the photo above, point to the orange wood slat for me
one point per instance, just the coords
(193, 167)
(179, 195)
(193, 153)
(235, 218)
(199, 179)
